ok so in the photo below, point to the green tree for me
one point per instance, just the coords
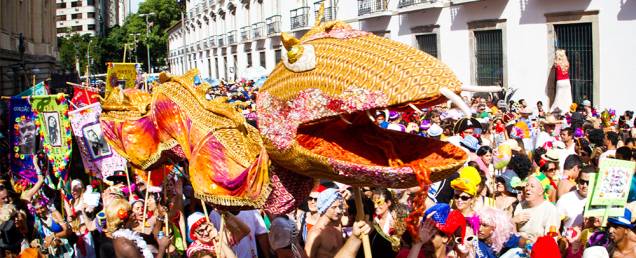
(111, 47)
(72, 48)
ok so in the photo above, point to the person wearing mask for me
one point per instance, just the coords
(571, 204)
(205, 236)
(535, 216)
(622, 235)
(571, 170)
(384, 238)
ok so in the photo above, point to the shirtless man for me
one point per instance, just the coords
(325, 238)
(622, 234)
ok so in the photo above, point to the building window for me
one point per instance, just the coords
(61, 30)
(427, 43)
(234, 66)
(60, 5)
(489, 57)
(76, 16)
(77, 28)
(576, 40)
(76, 4)
(90, 2)
(91, 27)
(249, 59)
(261, 57)
(277, 55)
(90, 15)
(60, 18)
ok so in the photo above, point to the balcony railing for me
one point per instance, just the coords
(299, 17)
(231, 37)
(213, 41)
(206, 43)
(328, 15)
(273, 24)
(257, 30)
(371, 6)
(422, 3)
(246, 33)
(221, 39)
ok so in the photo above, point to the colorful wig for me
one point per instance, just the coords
(502, 224)
(116, 214)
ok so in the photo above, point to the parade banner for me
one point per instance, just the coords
(98, 157)
(22, 138)
(55, 130)
(37, 90)
(84, 96)
(608, 189)
(613, 182)
(126, 72)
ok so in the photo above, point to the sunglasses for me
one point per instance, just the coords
(312, 199)
(462, 197)
(583, 182)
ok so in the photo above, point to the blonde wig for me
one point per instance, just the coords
(561, 60)
(117, 211)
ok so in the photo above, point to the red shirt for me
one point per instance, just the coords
(561, 74)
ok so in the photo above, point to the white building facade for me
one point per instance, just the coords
(89, 16)
(486, 42)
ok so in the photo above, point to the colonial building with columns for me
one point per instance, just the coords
(486, 42)
(28, 43)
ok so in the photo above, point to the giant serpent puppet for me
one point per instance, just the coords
(313, 122)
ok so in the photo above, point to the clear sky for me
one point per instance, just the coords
(135, 5)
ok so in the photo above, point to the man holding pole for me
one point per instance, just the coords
(325, 239)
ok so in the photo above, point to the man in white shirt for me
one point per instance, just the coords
(535, 216)
(571, 204)
(246, 248)
(610, 141)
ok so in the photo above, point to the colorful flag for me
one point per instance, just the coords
(37, 90)
(84, 96)
(22, 138)
(55, 130)
(98, 157)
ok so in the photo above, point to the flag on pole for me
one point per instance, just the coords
(37, 90)
(98, 157)
(22, 138)
(55, 131)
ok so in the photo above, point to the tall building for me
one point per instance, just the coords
(89, 16)
(485, 42)
(28, 43)
(77, 17)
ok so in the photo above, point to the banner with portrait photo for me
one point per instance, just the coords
(22, 137)
(98, 157)
(55, 130)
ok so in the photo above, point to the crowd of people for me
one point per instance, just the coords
(528, 203)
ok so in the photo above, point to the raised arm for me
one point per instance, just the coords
(350, 248)
(28, 194)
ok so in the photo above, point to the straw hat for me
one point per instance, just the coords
(550, 120)
(551, 155)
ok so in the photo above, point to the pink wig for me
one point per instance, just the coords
(502, 224)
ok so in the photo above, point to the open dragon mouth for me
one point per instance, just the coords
(362, 146)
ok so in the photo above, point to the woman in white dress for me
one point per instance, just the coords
(563, 96)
